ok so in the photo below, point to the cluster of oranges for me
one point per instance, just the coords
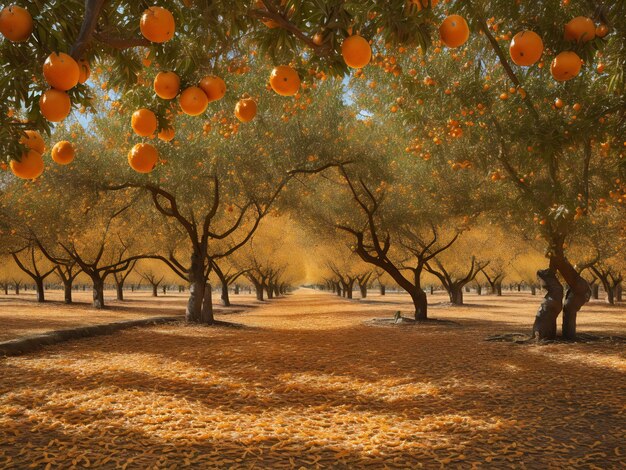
(527, 47)
(31, 164)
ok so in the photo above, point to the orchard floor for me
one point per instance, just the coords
(306, 383)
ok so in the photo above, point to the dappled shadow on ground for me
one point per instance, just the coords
(327, 391)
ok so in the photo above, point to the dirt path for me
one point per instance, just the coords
(307, 384)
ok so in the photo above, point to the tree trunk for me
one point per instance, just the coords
(348, 290)
(545, 321)
(259, 292)
(619, 292)
(270, 291)
(17, 289)
(155, 290)
(339, 293)
(41, 296)
(119, 290)
(479, 289)
(6, 289)
(420, 302)
(236, 289)
(456, 294)
(382, 289)
(595, 291)
(363, 290)
(276, 291)
(207, 306)
(98, 292)
(197, 284)
(67, 291)
(533, 289)
(225, 295)
(498, 289)
(432, 290)
(164, 289)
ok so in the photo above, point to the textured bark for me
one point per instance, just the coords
(576, 296)
(98, 292)
(206, 316)
(420, 302)
(545, 321)
(456, 294)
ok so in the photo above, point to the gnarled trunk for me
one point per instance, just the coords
(545, 321)
(197, 283)
(259, 291)
(456, 294)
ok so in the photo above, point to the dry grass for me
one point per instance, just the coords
(307, 384)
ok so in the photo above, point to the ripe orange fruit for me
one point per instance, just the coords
(142, 158)
(580, 29)
(144, 122)
(29, 167)
(284, 80)
(454, 31)
(245, 110)
(602, 30)
(214, 88)
(565, 66)
(424, 3)
(16, 24)
(193, 101)
(33, 141)
(61, 71)
(84, 71)
(63, 152)
(356, 51)
(166, 85)
(526, 48)
(166, 135)
(558, 103)
(600, 68)
(55, 105)
(157, 25)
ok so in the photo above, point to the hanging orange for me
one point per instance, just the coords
(245, 110)
(580, 29)
(213, 87)
(63, 152)
(29, 167)
(33, 141)
(193, 101)
(565, 66)
(144, 122)
(61, 71)
(526, 48)
(284, 80)
(143, 158)
(166, 85)
(602, 30)
(84, 71)
(16, 24)
(454, 31)
(356, 51)
(157, 25)
(167, 135)
(55, 105)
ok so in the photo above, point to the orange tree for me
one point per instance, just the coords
(50, 49)
(553, 149)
